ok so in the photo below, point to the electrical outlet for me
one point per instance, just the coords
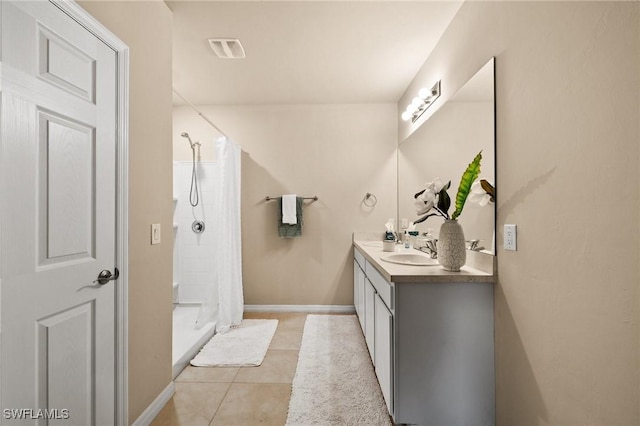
(510, 237)
(155, 233)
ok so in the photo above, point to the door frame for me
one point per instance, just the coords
(78, 14)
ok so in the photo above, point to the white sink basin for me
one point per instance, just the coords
(413, 259)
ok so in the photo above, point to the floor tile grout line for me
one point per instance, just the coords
(235, 375)
(220, 404)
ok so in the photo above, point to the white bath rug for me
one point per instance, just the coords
(335, 383)
(242, 346)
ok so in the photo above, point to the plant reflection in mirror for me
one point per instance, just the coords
(482, 192)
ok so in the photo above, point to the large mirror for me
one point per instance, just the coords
(443, 147)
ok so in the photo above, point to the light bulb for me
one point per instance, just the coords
(406, 116)
(411, 108)
(416, 102)
(424, 93)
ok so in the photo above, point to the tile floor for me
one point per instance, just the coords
(244, 396)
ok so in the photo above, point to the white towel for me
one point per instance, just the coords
(289, 209)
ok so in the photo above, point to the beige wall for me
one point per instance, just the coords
(337, 152)
(146, 28)
(568, 75)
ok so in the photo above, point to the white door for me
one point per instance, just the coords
(57, 206)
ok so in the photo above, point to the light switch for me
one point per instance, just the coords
(155, 233)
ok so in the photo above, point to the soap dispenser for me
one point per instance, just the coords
(412, 235)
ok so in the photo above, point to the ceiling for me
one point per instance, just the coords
(304, 52)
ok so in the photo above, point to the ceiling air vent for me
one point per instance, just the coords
(227, 48)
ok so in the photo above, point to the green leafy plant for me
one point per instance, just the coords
(468, 177)
(435, 196)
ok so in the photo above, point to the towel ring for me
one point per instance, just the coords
(370, 200)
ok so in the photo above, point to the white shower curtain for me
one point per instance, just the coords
(224, 302)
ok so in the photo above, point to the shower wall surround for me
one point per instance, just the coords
(193, 252)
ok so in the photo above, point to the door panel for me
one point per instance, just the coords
(66, 202)
(65, 362)
(58, 183)
(62, 64)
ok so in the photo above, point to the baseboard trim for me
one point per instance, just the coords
(156, 406)
(324, 309)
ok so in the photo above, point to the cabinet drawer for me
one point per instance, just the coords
(359, 257)
(381, 285)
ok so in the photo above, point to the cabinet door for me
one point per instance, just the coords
(361, 297)
(358, 292)
(369, 317)
(356, 288)
(383, 342)
(362, 282)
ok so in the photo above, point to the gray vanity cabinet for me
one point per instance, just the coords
(431, 343)
(372, 300)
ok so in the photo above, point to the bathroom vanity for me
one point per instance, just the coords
(430, 336)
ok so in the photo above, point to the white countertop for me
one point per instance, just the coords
(398, 273)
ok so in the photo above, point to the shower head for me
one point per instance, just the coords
(186, 135)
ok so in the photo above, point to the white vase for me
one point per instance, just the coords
(452, 252)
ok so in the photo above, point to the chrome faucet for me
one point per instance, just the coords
(474, 245)
(430, 248)
(398, 237)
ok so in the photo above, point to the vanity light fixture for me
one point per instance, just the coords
(421, 103)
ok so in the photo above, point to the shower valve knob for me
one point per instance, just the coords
(197, 226)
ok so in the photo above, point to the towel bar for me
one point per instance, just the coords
(314, 198)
